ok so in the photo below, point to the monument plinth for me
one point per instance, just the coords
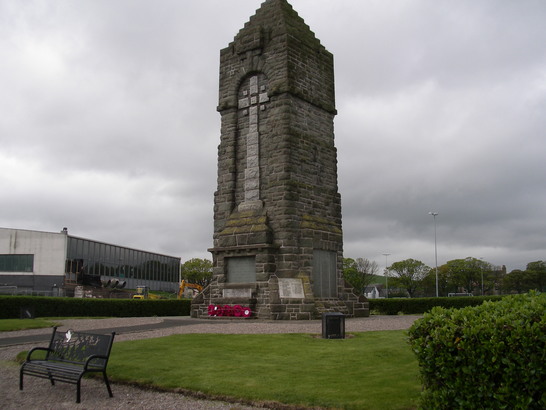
(278, 243)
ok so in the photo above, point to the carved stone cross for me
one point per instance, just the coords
(252, 101)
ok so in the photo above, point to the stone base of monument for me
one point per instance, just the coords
(292, 309)
(234, 302)
(225, 309)
(278, 299)
(361, 308)
(232, 309)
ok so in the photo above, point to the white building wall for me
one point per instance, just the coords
(49, 249)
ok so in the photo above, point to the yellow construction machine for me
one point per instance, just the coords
(143, 292)
(184, 285)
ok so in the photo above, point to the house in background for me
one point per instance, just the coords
(375, 291)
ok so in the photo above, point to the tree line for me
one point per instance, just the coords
(413, 278)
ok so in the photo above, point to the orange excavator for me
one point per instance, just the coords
(184, 285)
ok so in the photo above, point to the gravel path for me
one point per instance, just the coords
(40, 394)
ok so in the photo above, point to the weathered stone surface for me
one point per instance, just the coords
(277, 198)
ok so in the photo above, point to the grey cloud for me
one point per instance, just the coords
(110, 127)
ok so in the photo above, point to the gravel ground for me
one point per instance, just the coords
(40, 394)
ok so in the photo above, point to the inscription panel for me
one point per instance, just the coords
(237, 293)
(291, 288)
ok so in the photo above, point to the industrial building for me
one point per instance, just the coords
(50, 263)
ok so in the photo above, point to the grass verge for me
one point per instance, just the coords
(9, 325)
(370, 370)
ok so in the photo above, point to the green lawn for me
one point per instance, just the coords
(8, 325)
(371, 370)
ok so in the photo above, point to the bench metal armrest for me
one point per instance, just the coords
(94, 357)
(34, 349)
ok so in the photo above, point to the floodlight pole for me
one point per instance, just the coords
(434, 215)
(386, 274)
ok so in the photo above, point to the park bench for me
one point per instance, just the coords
(68, 358)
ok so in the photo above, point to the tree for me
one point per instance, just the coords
(518, 281)
(409, 274)
(521, 281)
(429, 282)
(494, 279)
(359, 273)
(467, 274)
(197, 271)
(537, 274)
(470, 275)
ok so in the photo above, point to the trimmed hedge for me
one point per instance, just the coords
(10, 307)
(61, 307)
(412, 306)
(491, 356)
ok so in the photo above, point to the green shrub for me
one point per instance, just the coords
(487, 356)
(413, 306)
(10, 307)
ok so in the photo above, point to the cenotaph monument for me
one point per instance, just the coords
(278, 243)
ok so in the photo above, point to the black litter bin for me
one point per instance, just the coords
(333, 326)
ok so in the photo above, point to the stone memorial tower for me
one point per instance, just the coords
(277, 212)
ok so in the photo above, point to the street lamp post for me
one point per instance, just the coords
(386, 273)
(434, 215)
(481, 269)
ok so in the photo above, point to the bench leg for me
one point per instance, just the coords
(21, 374)
(78, 390)
(107, 384)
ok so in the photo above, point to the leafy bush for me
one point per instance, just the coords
(411, 306)
(487, 356)
(10, 307)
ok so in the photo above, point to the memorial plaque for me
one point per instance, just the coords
(238, 293)
(291, 289)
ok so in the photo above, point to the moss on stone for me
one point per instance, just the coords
(246, 222)
(319, 224)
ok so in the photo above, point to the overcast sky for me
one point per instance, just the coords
(108, 122)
